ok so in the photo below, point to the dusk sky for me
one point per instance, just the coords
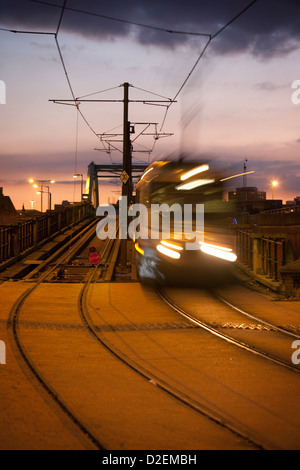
(236, 105)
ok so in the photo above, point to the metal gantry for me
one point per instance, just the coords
(126, 171)
(110, 171)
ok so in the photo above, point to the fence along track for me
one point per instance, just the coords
(16, 240)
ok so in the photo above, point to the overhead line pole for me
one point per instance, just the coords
(127, 153)
(127, 157)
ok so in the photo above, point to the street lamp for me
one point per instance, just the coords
(49, 196)
(81, 176)
(41, 192)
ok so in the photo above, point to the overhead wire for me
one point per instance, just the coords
(61, 17)
(210, 37)
(67, 75)
(233, 19)
(98, 92)
(121, 20)
(26, 32)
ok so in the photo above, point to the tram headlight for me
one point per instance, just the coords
(168, 252)
(218, 251)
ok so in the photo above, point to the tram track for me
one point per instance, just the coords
(63, 256)
(13, 328)
(44, 274)
(230, 339)
(109, 255)
(270, 325)
(152, 378)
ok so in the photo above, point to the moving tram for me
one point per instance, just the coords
(186, 236)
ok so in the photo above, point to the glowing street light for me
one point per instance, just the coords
(274, 184)
(41, 192)
(81, 176)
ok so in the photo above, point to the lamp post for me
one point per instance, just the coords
(81, 176)
(41, 192)
(49, 198)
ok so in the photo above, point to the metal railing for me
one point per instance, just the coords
(18, 238)
(6, 243)
(245, 247)
(273, 257)
(25, 235)
(269, 256)
(283, 210)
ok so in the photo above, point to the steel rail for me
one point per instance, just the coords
(13, 332)
(13, 328)
(65, 257)
(253, 317)
(149, 376)
(229, 339)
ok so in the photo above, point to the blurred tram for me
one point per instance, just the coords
(166, 259)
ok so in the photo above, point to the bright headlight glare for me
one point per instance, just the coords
(217, 247)
(171, 245)
(218, 252)
(166, 251)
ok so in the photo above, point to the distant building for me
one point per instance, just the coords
(63, 204)
(8, 213)
(247, 194)
(297, 201)
(249, 199)
(30, 213)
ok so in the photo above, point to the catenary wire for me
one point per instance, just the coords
(67, 75)
(64, 7)
(211, 38)
(55, 35)
(26, 32)
(120, 20)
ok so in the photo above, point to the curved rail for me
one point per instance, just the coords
(13, 331)
(149, 376)
(260, 320)
(225, 337)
